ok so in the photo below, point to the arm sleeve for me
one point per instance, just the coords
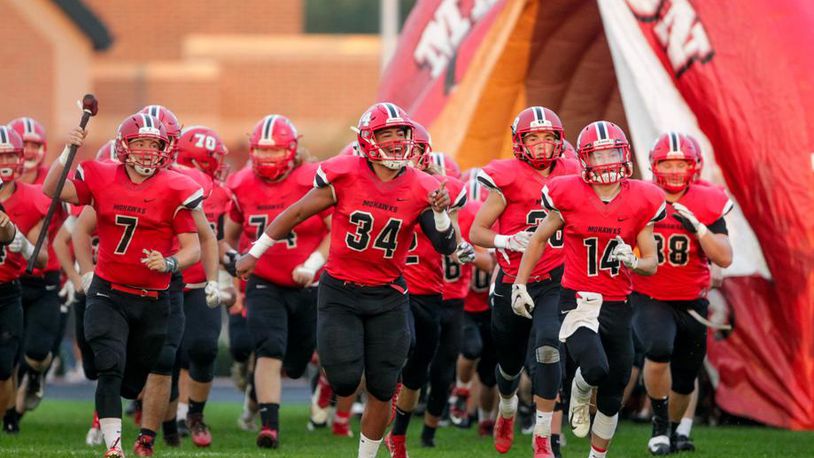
(718, 227)
(183, 222)
(443, 242)
(83, 191)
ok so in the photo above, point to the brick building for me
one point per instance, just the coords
(220, 64)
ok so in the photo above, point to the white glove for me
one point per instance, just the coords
(212, 291)
(465, 253)
(623, 253)
(87, 278)
(68, 293)
(514, 242)
(522, 303)
(20, 244)
(688, 219)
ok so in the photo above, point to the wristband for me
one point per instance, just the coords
(172, 264)
(261, 245)
(314, 262)
(442, 221)
(63, 158)
(501, 241)
(702, 230)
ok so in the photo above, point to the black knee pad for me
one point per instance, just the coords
(344, 380)
(594, 372)
(659, 352)
(381, 388)
(506, 383)
(471, 343)
(270, 348)
(202, 353)
(89, 367)
(548, 371)
(295, 369)
(108, 362)
(486, 374)
(166, 360)
(38, 346)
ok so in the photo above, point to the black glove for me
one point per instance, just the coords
(229, 262)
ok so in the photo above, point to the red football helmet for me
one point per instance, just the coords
(444, 163)
(31, 131)
(393, 154)
(170, 121)
(603, 168)
(11, 154)
(422, 147)
(537, 119)
(699, 166)
(144, 161)
(673, 146)
(201, 147)
(273, 131)
(107, 153)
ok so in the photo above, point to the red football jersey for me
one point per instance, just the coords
(131, 218)
(424, 268)
(373, 220)
(457, 277)
(683, 272)
(591, 227)
(257, 202)
(26, 206)
(520, 184)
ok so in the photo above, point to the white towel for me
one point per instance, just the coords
(585, 315)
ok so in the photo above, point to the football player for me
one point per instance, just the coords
(537, 139)
(200, 148)
(280, 293)
(363, 306)
(602, 213)
(664, 304)
(141, 207)
(424, 273)
(22, 208)
(44, 324)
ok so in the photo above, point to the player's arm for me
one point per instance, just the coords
(481, 232)
(231, 236)
(82, 240)
(7, 229)
(534, 251)
(436, 222)
(304, 273)
(716, 244)
(209, 244)
(22, 244)
(484, 260)
(648, 261)
(317, 200)
(62, 248)
(49, 186)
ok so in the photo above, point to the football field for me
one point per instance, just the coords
(58, 429)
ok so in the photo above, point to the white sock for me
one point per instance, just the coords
(183, 408)
(368, 448)
(597, 454)
(684, 427)
(112, 431)
(460, 384)
(484, 415)
(584, 387)
(507, 407)
(543, 425)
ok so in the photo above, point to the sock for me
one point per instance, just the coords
(660, 416)
(112, 431)
(11, 416)
(428, 433)
(460, 384)
(270, 415)
(342, 417)
(401, 423)
(543, 425)
(484, 415)
(196, 407)
(597, 452)
(368, 448)
(584, 388)
(555, 444)
(507, 407)
(684, 427)
(181, 413)
(169, 428)
(673, 428)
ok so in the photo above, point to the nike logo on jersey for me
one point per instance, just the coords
(261, 286)
(50, 287)
(102, 295)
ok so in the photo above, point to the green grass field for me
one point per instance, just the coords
(58, 429)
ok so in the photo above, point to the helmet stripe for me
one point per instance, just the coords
(29, 126)
(675, 143)
(601, 130)
(3, 135)
(539, 114)
(391, 110)
(154, 111)
(268, 127)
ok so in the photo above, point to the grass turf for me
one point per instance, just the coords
(57, 428)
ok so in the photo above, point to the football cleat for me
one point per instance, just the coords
(503, 434)
(268, 438)
(659, 445)
(579, 411)
(94, 437)
(542, 447)
(458, 414)
(199, 430)
(34, 390)
(486, 427)
(682, 443)
(341, 429)
(397, 445)
(143, 445)
(183, 431)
